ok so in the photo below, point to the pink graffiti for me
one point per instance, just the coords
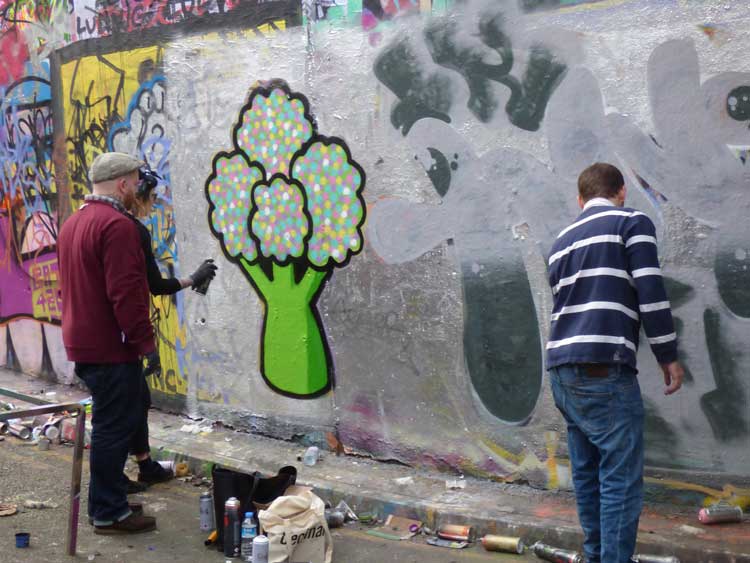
(127, 16)
(13, 56)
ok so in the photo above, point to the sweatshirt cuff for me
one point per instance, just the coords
(666, 356)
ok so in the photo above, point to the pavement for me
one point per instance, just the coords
(386, 488)
(175, 505)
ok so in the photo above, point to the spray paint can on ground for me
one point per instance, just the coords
(555, 555)
(642, 558)
(51, 432)
(207, 512)
(260, 549)
(456, 532)
(232, 537)
(20, 431)
(503, 543)
(334, 518)
(719, 514)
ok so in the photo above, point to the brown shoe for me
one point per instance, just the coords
(135, 507)
(131, 525)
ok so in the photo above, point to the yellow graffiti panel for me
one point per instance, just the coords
(96, 93)
(170, 335)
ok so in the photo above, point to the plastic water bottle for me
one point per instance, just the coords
(311, 456)
(249, 531)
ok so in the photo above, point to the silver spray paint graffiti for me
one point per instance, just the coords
(484, 199)
(684, 173)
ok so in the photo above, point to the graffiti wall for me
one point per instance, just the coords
(379, 183)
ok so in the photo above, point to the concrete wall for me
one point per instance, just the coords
(446, 139)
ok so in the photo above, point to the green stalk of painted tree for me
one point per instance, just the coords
(293, 354)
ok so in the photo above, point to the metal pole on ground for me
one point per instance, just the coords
(75, 484)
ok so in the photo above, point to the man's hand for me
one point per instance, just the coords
(153, 365)
(673, 375)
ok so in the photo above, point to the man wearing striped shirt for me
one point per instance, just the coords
(606, 283)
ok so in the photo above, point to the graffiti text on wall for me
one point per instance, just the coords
(98, 18)
(424, 91)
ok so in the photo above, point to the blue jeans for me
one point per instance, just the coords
(604, 415)
(117, 393)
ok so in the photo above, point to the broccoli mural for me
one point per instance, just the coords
(286, 204)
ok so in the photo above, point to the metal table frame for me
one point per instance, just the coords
(45, 407)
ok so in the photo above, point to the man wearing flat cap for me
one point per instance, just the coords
(107, 331)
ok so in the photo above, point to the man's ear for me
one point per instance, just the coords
(581, 203)
(622, 194)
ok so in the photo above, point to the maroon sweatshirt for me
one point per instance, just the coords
(105, 303)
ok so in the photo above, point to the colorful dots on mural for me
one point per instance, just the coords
(229, 192)
(332, 183)
(273, 129)
(279, 222)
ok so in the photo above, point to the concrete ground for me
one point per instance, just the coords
(29, 474)
(366, 485)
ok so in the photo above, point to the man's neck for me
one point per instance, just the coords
(107, 198)
(598, 201)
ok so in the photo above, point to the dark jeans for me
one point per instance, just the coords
(604, 415)
(139, 441)
(115, 389)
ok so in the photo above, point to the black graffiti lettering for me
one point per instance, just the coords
(528, 98)
(421, 94)
(85, 26)
(138, 17)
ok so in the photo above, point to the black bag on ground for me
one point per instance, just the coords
(247, 489)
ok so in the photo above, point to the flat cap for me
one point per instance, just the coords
(111, 165)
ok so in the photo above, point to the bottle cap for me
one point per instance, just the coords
(248, 514)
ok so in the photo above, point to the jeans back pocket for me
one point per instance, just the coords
(594, 410)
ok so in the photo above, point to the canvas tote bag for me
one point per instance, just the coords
(296, 528)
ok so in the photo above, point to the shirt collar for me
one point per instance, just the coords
(598, 201)
(106, 199)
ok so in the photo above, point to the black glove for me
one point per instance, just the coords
(153, 365)
(206, 271)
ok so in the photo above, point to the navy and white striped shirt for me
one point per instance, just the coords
(606, 281)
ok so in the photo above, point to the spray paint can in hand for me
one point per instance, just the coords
(207, 512)
(232, 537)
(719, 514)
(549, 553)
(202, 289)
(260, 549)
